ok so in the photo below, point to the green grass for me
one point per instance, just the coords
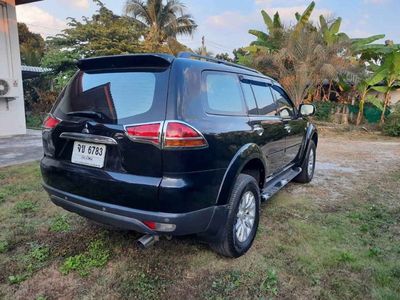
(25, 206)
(270, 283)
(60, 223)
(96, 256)
(36, 259)
(344, 250)
(3, 246)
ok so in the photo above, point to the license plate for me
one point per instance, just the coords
(88, 154)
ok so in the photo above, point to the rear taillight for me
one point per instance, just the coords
(145, 132)
(50, 122)
(181, 135)
(176, 135)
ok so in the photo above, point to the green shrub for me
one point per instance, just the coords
(392, 124)
(323, 110)
(34, 121)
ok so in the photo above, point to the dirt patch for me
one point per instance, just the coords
(344, 163)
(51, 284)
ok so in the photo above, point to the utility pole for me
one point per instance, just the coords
(203, 46)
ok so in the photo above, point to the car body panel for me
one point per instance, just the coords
(156, 181)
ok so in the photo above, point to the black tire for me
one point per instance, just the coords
(228, 243)
(306, 174)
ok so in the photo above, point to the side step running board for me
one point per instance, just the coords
(276, 184)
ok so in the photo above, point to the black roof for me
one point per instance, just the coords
(156, 60)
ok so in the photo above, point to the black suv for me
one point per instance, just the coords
(168, 145)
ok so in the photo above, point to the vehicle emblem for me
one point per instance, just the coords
(86, 129)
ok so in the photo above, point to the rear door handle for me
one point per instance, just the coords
(258, 129)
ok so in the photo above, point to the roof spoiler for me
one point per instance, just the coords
(126, 61)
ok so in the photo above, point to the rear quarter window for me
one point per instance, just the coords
(223, 94)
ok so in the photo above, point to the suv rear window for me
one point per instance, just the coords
(120, 97)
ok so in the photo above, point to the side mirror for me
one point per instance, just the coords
(307, 110)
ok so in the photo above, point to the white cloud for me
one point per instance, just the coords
(228, 20)
(39, 20)
(81, 4)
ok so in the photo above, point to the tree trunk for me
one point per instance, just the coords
(361, 110)
(329, 91)
(352, 113)
(385, 104)
(337, 115)
(345, 115)
(317, 96)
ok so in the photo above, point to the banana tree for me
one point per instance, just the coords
(363, 89)
(330, 33)
(358, 45)
(303, 19)
(389, 72)
(272, 40)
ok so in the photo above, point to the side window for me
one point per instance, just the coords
(285, 106)
(223, 94)
(249, 97)
(265, 100)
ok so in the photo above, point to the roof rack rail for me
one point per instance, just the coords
(215, 60)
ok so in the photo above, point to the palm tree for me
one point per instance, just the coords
(162, 22)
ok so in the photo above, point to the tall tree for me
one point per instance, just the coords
(105, 33)
(302, 64)
(161, 22)
(32, 46)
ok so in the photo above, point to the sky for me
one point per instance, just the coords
(225, 23)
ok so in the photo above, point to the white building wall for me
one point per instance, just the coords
(12, 112)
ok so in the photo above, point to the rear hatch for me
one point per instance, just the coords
(91, 153)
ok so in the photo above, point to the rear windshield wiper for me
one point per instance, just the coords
(87, 113)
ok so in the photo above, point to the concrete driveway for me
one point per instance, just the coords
(21, 148)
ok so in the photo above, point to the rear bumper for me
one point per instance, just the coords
(169, 192)
(206, 221)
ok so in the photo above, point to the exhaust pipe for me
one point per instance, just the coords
(147, 240)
